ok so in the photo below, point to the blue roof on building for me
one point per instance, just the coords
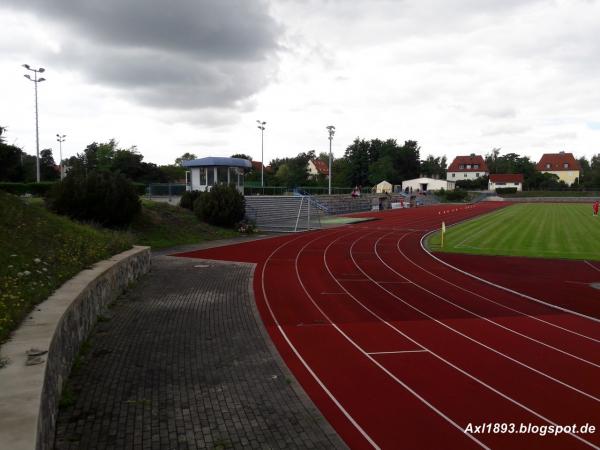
(218, 161)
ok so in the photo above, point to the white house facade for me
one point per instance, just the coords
(467, 168)
(506, 180)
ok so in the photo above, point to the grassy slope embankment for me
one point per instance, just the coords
(161, 225)
(39, 251)
(534, 230)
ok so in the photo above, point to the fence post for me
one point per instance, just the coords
(308, 213)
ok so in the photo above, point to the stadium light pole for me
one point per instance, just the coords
(261, 127)
(331, 131)
(61, 138)
(36, 80)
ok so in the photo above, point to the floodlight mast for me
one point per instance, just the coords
(61, 138)
(331, 131)
(36, 80)
(261, 127)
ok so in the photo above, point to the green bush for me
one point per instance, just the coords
(223, 206)
(506, 190)
(188, 199)
(39, 189)
(105, 198)
(140, 188)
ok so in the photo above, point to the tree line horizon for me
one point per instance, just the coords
(365, 163)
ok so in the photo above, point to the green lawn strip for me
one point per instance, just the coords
(39, 251)
(534, 230)
(161, 225)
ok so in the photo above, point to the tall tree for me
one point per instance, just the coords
(185, 157)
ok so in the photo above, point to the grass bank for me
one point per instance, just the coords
(161, 225)
(535, 230)
(39, 251)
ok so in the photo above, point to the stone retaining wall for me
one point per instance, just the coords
(30, 394)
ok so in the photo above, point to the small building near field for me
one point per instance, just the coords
(506, 180)
(425, 184)
(317, 167)
(562, 164)
(210, 171)
(385, 187)
(467, 168)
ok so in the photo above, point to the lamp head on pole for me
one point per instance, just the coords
(261, 125)
(331, 131)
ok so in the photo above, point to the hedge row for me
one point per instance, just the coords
(506, 190)
(42, 189)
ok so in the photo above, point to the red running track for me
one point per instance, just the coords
(399, 350)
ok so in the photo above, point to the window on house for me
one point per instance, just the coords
(462, 166)
(203, 176)
(453, 175)
(468, 166)
(566, 165)
(547, 166)
(477, 174)
(466, 175)
(476, 166)
(210, 179)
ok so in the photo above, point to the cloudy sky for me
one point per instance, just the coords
(459, 76)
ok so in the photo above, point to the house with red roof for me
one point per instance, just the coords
(506, 180)
(467, 168)
(317, 167)
(562, 164)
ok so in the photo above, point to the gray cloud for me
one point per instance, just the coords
(184, 54)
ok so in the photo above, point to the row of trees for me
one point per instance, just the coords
(365, 162)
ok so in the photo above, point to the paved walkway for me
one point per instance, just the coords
(183, 362)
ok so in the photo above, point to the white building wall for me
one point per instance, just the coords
(432, 184)
(493, 186)
(457, 176)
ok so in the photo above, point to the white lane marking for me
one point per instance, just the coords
(591, 265)
(304, 363)
(472, 312)
(464, 372)
(507, 289)
(539, 372)
(373, 360)
(398, 351)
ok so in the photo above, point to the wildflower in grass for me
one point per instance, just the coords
(37, 260)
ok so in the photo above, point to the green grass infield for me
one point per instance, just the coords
(536, 230)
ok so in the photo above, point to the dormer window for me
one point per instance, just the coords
(468, 166)
(475, 166)
(548, 166)
(566, 165)
(462, 166)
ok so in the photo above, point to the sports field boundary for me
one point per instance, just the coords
(504, 288)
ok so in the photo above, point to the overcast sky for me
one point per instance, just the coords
(458, 76)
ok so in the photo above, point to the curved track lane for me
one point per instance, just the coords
(401, 351)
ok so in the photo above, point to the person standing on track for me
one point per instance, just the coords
(595, 207)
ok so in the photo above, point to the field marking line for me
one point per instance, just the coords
(398, 351)
(528, 297)
(367, 355)
(464, 372)
(591, 265)
(304, 363)
(472, 312)
(460, 333)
